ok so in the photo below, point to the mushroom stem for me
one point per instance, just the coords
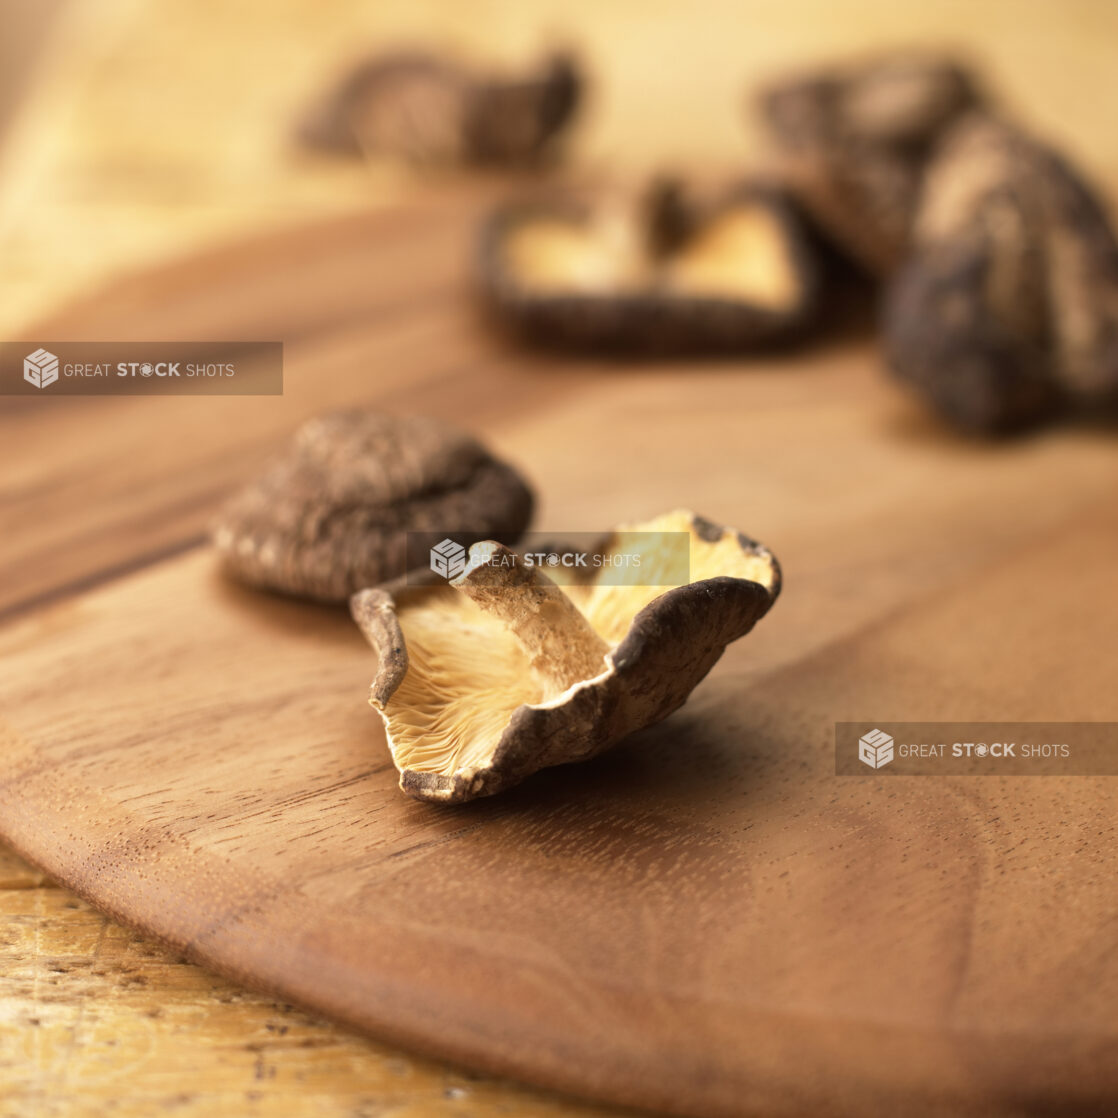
(561, 645)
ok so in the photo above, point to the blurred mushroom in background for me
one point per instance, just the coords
(999, 265)
(426, 108)
(853, 141)
(1006, 310)
(666, 270)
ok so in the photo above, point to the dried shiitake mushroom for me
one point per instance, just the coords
(853, 142)
(429, 109)
(502, 672)
(1007, 309)
(664, 273)
(331, 515)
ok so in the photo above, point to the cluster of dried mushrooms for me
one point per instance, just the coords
(488, 676)
(1000, 278)
(998, 267)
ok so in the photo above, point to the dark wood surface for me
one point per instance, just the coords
(707, 921)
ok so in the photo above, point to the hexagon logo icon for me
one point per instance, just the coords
(448, 559)
(875, 749)
(40, 368)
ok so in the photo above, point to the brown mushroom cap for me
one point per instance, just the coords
(1007, 309)
(331, 515)
(853, 142)
(430, 109)
(658, 274)
(517, 120)
(482, 683)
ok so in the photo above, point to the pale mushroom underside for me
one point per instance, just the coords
(448, 716)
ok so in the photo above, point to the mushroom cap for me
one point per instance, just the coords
(853, 141)
(466, 715)
(1006, 312)
(663, 276)
(430, 109)
(407, 103)
(332, 514)
(516, 120)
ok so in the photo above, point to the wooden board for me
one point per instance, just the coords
(707, 921)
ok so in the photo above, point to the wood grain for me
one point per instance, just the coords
(381, 308)
(708, 921)
(95, 1015)
(90, 506)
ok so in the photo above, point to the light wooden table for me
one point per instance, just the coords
(154, 129)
